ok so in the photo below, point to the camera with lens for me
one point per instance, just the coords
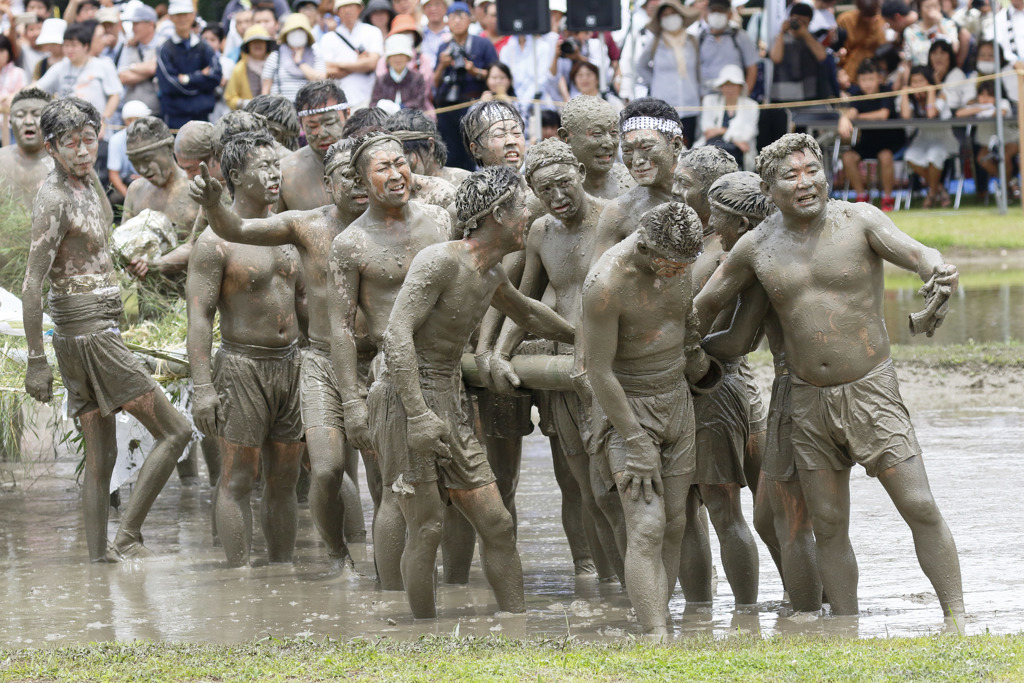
(570, 46)
(452, 82)
(794, 24)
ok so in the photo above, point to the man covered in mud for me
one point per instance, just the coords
(651, 140)
(723, 422)
(426, 439)
(368, 263)
(558, 253)
(71, 218)
(322, 110)
(821, 264)
(163, 186)
(780, 513)
(249, 396)
(25, 164)
(424, 148)
(311, 232)
(642, 347)
(591, 128)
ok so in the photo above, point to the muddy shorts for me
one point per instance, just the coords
(758, 413)
(778, 462)
(864, 421)
(318, 387)
(97, 369)
(445, 395)
(667, 417)
(723, 425)
(259, 393)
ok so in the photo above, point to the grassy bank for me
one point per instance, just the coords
(967, 228)
(965, 356)
(742, 658)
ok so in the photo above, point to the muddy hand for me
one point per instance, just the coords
(205, 409)
(427, 433)
(357, 429)
(643, 471)
(484, 361)
(139, 267)
(504, 376)
(205, 190)
(946, 275)
(39, 379)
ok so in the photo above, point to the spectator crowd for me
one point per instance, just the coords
(714, 60)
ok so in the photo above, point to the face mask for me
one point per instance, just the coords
(297, 39)
(671, 23)
(986, 67)
(717, 21)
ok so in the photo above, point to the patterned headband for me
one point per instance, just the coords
(323, 110)
(471, 223)
(358, 151)
(651, 123)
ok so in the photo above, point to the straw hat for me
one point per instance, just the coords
(689, 14)
(293, 22)
(256, 32)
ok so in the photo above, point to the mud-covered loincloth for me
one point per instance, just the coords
(864, 421)
(723, 425)
(445, 395)
(259, 393)
(98, 370)
(758, 414)
(778, 462)
(663, 406)
(320, 399)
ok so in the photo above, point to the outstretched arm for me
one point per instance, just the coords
(202, 291)
(530, 314)
(731, 277)
(47, 232)
(744, 329)
(273, 231)
(899, 248)
(342, 304)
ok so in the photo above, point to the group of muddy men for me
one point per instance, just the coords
(352, 277)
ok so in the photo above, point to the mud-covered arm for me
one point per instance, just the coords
(202, 291)
(899, 248)
(744, 329)
(731, 277)
(531, 315)
(108, 210)
(696, 360)
(301, 305)
(272, 231)
(609, 232)
(491, 325)
(601, 330)
(48, 229)
(532, 285)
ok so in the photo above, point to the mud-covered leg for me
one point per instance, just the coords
(576, 523)
(279, 506)
(233, 510)
(422, 512)
(389, 541)
(695, 569)
(458, 542)
(827, 494)
(739, 554)
(355, 525)
(646, 578)
(796, 544)
(100, 455)
(606, 542)
(327, 469)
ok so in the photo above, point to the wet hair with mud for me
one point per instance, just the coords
(195, 140)
(415, 121)
(583, 109)
(372, 117)
(548, 153)
(708, 164)
(740, 193)
(772, 156)
(482, 116)
(31, 94)
(317, 94)
(483, 192)
(364, 144)
(147, 131)
(674, 229)
(343, 146)
(66, 115)
(238, 150)
(281, 117)
(234, 123)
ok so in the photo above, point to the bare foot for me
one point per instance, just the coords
(585, 566)
(130, 547)
(111, 556)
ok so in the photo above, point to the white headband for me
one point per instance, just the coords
(323, 110)
(651, 123)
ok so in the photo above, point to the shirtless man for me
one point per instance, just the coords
(249, 396)
(311, 232)
(820, 263)
(71, 219)
(651, 139)
(780, 513)
(591, 128)
(25, 164)
(163, 186)
(558, 253)
(424, 148)
(279, 114)
(368, 263)
(641, 349)
(322, 109)
(421, 426)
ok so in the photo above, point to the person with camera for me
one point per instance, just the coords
(459, 77)
(575, 47)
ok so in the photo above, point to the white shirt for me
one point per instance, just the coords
(520, 62)
(1010, 33)
(357, 87)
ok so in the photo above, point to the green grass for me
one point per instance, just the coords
(969, 279)
(967, 228)
(739, 658)
(968, 356)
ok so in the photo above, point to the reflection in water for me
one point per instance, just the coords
(52, 595)
(985, 314)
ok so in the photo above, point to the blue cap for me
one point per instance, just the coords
(459, 7)
(144, 13)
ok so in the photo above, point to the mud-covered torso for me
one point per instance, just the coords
(314, 246)
(302, 183)
(81, 216)
(22, 176)
(171, 200)
(566, 254)
(257, 294)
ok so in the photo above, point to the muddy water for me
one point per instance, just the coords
(51, 595)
